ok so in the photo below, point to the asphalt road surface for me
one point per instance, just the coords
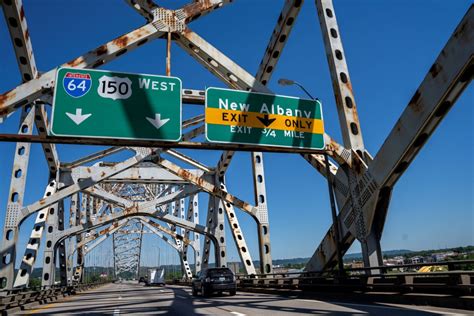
(135, 299)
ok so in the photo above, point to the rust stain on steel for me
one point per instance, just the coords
(414, 103)
(461, 29)
(27, 34)
(349, 87)
(4, 98)
(131, 210)
(196, 8)
(75, 62)
(121, 41)
(357, 164)
(355, 116)
(101, 50)
(22, 13)
(435, 69)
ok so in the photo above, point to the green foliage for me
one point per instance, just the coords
(171, 275)
(34, 283)
(295, 265)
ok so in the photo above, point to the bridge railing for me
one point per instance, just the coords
(14, 299)
(454, 280)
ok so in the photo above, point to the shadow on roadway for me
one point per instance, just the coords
(182, 303)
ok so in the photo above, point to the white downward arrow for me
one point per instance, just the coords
(157, 121)
(78, 118)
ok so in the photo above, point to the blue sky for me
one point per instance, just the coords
(389, 46)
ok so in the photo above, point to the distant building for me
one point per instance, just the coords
(416, 259)
(442, 256)
(357, 264)
(395, 261)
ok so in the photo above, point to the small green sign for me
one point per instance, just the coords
(242, 117)
(104, 104)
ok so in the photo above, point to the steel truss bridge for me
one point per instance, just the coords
(150, 191)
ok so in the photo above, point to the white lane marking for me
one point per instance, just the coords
(238, 314)
(116, 312)
(312, 301)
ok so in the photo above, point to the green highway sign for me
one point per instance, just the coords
(104, 104)
(242, 117)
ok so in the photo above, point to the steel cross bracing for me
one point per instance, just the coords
(127, 249)
(98, 207)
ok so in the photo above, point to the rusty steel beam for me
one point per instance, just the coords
(76, 187)
(190, 96)
(447, 78)
(193, 121)
(188, 160)
(15, 16)
(207, 186)
(49, 150)
(146, 209)
(14, 13)
(196, 9)
(217, 63)
(16, 22)
(153, 144)
(92, 157)
(144, 8)
(32, 248)
(279, 37)
(277, 42)
(345, 102)
(450, 74)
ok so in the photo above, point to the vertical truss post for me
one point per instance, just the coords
(62, 255)
(194, 201)
(184, 249)
(176, 211)
(335, 222)
(114, 256)
(32, 248)
(209, 226)
(73, 221)
(15, 201)
(348, 118)
(346, 105)
(219, 233)
(82, 216)
(140, 236)
(263, 225)
(237, 234)
(49, 262)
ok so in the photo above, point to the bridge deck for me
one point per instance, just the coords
(131, 298)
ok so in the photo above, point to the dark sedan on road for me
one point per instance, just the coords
(213, 280)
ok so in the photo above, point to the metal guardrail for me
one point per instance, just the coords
(452, 265)
(457, 282)
(11, 300)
